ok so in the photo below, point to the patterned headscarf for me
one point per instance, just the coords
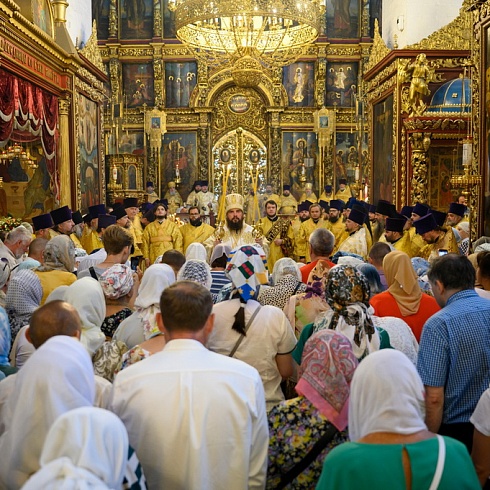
(116, 281)
(246, 270)
(197, 271)
(59, 255)
(317, 280)
(347, 294)
(24, 295)
(326, 371)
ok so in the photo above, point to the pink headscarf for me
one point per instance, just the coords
(326, 371)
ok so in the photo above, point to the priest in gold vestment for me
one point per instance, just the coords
(438, 239)
(336, 224)
(306, 229)
(160, 235)
(288, 204)
(173, 198)
(195, 231)
(344, 193)
(356, 241)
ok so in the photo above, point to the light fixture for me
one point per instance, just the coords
(251, 34)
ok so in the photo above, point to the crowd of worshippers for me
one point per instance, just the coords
(345, 347)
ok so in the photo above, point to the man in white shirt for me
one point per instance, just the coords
(196, 419)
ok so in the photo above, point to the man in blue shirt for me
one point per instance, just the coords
(454, 355)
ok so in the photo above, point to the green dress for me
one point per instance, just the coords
(379, 466)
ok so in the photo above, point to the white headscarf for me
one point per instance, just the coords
(196, 251)
(155, 279)
(57, 294)
(284, 267)
(86, 448)
(57, 378)
(386, 395)
(87, 297)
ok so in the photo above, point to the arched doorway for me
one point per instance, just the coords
(248, 159)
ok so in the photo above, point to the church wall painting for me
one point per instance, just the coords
(180, 80)
(299, 82)
(444, 162)
(342, 19)
(382, 170)
(136, 19)
(127, 142)
(100, 13)
(346, 156)
(88, 148)
(341, 84)
(138, 84)
(168, 22)
(179, 160)
(299, 160)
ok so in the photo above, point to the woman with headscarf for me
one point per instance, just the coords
(197, 271)
(391, 447)
(117, 284)
(140, 331)
(87, 297)
(258, 335)
(320, 412)
(85, 448)
(196, 251)
(404, 298)
(57, 378)
(58, 266)
(286, 282)
(347, 294)
(24, 295)
(302, 309)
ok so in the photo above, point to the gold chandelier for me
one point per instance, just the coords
(249, 34)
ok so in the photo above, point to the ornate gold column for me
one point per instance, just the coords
(64, 167)
(420, 143)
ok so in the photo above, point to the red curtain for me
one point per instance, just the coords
(29, 113)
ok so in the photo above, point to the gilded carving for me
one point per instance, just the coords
(275, 171)
(320, 75)
(365, 19)
(420, 143)
(157, 18)
(64, 106)
(159, 86)
(136, 52)
(403, 169)
(395, 146)
(203, 152)
(91, 50)
(253, 119)
(115, 74)
(335, 52)
(379, 49)
(113, 19)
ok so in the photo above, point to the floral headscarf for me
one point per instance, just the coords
(326, 371)
(116, 281)
(246, 270)
(347, 294)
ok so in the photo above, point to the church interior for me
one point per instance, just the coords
(97, 98)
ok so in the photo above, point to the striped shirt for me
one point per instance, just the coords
(219, 280)
(455, 353)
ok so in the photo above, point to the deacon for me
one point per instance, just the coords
(195, 231)
(278, 233)
(160, 235)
